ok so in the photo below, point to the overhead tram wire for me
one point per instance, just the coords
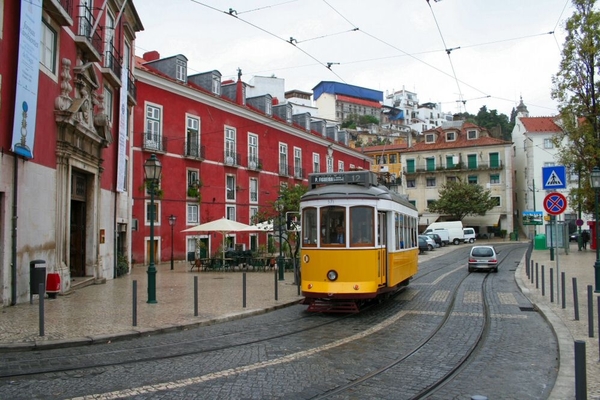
(262, 8)
(558, 22)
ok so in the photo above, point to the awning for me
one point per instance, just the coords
(481, 220)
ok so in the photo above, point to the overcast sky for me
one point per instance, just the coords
(500, 48)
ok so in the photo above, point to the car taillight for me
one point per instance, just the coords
(493, 260)
(472, 260)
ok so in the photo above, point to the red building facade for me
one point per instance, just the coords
(222, 155)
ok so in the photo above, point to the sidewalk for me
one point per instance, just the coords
(104, 312)
(579, 265)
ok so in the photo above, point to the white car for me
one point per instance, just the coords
(430, 242)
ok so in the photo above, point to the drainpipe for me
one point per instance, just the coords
(13, 265)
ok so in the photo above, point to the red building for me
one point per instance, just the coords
(65, 74)
(222, 155)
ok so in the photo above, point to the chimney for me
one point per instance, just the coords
(239, 91)
(275, 101)
(151, 56)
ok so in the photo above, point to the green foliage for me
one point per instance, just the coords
(355, 120)
(122, 266)
(459, 199)
(576, 87)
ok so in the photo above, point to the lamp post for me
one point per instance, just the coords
(279, 206)
(172, 220)
(595, 183)
(152, 170)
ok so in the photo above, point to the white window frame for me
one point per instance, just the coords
(216, 85)
(192, 123)
(329, 164)
(153, 123)
(230, 187)
(253, 185)
(283, 159)
(193, 214)
(109, 39)
(193, 176)
(316, 162)
(450, 136)
(472, 134)
(429, 138)
(108, 103)
(230, 144)
(180, 68)
(340, 166)
(157, 216)
(548, 144)
(230, 213)
(297, 162)
(253, 213)
(48, 47)
(252, 150)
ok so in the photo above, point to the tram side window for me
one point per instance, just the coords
(361, 226)
(333, 223)
(309, 227)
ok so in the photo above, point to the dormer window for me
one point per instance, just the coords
(216, 85)
(450, 136)
(472, 134)
(180, 73)
(430, 138)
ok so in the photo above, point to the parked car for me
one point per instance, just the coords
(574, 236)
(430, 242)
(437, 239)
(483, 257)
(423, 246)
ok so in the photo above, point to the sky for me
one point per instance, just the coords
(464, 54)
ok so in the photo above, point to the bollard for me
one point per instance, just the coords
(590, 311)
(41, 289)
(543, 281)
(562, 287)
(529, 269)
(244, 290)
(551, 286)
(580, 371)
(576, 299)
(195, 296)
(537, 283)
(276, 284)
(134, 305)
(598, 327)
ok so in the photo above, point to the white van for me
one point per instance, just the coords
(469, 234)
(455, 230)
(443, 233)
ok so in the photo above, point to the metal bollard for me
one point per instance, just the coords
(543, 281)
(580, 371)
(42, 287)
(537, 283)
(195, 296)
(598, 327)
(244, 290)
(551, 286)
(590, 311)
(134, 303)
(576, 299)
(276, 284)
(562, 288)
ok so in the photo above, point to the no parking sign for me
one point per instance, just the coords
(555, 203)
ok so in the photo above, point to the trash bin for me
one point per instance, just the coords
(37, 275)
(511, 236)
(540, 242)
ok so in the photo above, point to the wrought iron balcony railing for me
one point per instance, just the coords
(194, 150)
(154, 141)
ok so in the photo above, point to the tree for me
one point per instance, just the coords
(576, 86)
(459, 199)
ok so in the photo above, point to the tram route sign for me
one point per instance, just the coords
(555, 203)
(331, 178)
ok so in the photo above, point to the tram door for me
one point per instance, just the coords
(381, 244)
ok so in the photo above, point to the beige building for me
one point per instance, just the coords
(460, 151)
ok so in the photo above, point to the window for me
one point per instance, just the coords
(451, 179)
(48, 47)
(230, 148)
(216, 85)
(430, 163)
(394, 158)
(231, 213)
(333, 224)
(309, 227)
(472, 179)
(192, 213)
(340, 166)
(430, 202)
(410, 165)
(361, 226)
(108, 103)
(193, 178)
(413, 202)
(253, 190)
(411, 183)
(472, 161)
(153, 138)
(494, 160)
(253, 215)
(495, 178)
(230, 187)
(380, 160)
(283, 159)
(430, 182)
(496, 200)
(450, 136)
(297, 162)
(329, 164)
(449, 161)
(192, 136)
(430, 138)
(180, 74)
(548, 144)
(252, 151)
(316, 162)
(471, 134)
(153, 213)
(109, 40)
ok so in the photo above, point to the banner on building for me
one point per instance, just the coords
(123, 124)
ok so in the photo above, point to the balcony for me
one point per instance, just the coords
(154, 142)
(460, 167)
(299, 173)
(111, 71)
(232, 159)
(286, 170)
(61, 11)
(193, 150)
(131, 89)
(90, 43)
(255, 163)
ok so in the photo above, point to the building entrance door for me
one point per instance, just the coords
(77, 253)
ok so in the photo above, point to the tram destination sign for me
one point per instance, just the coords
(332, 178)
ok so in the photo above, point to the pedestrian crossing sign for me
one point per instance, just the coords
(554, 177)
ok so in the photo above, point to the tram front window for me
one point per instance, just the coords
(333, 222)
(361, 225)
(309, 226)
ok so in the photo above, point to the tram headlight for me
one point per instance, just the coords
(332, 275)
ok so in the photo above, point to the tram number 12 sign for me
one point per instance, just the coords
(555, 203)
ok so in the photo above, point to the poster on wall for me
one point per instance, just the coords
(27, 78)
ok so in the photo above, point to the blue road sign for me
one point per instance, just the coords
(554, 177)
(555, 203)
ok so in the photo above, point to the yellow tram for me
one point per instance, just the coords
(359, 241)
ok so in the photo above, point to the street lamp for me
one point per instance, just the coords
(152, 169)
(595, 183)
(279, 205)
(172, 220)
